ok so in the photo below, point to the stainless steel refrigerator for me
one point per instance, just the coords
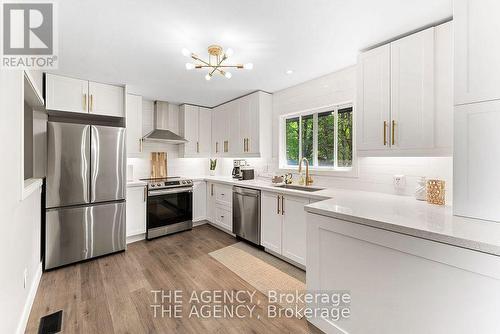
(85, 200)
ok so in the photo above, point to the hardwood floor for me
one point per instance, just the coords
(113, 294)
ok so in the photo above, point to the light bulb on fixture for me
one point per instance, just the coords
(228, 75)
(208, 77)
(186, 52)
(248, 66)
(189, 66)
(229, 52)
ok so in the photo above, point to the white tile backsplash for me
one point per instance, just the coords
(375, 173)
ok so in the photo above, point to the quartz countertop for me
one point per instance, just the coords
(400, 214)
(404, 214)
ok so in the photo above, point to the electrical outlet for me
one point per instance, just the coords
(25, 277)
(399, 181)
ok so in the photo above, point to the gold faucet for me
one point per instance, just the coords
(309, 179)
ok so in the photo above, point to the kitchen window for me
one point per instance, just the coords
(324, 136)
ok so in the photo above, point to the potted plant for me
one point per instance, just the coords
(213, 165)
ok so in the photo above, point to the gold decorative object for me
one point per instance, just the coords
(215, 63)
(158, 164)
(436, 192)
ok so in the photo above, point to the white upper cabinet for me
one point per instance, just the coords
(477, 50)
(404, 98)
(188, 126)
(106, 99)
(233, 145)
(66, 94)
(240, 127)
(82, 96)
(205, 131)
(250, 124)
(412, 91)
(134, 124)
(373, 107)
(195, 125)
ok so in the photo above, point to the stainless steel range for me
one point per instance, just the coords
(169, 206)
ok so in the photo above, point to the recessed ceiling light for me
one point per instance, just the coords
(289, 72)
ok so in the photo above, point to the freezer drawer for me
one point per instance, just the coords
(68, 164)
(107, 181)
(80, 233)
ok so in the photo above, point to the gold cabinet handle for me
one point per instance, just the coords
(392, 132)
(212, 190)
(197, 147)
(244, 144)
(145, 193)
(85, 102)
(385, 133)
(278, 202)
(91, 102)
(217, 147)
(140, 145)
(248, 144)
(283, 205)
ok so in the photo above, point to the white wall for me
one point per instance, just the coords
(375, 174)
(19, 219)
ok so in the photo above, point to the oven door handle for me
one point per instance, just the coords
(170, 191)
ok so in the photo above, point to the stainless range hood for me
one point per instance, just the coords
(165, 122)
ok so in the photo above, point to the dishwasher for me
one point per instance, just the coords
(246, 214)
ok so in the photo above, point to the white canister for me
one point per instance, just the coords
(421, 189)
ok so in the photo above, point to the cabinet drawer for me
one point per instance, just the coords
(223, 194)
(224, 217)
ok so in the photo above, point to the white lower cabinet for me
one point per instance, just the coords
(224, 194)
(210, 201)
(283, 225)
(136, 211)
(294, 229)
(271, 221)
(219, 205)
(224, 217)
(199, 201)
(399, 283)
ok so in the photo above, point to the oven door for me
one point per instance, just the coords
(169, 211)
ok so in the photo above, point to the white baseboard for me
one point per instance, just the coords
(135, 238)
(199, 222)
(23, 322)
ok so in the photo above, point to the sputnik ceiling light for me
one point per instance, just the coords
(216, 58)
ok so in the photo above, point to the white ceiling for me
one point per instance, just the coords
(139, 42)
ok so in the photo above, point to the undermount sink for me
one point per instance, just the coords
(301, 188)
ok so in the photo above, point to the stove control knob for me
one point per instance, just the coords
(152, 185)
(158, 184)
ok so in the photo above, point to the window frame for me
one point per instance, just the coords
(314, 168)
